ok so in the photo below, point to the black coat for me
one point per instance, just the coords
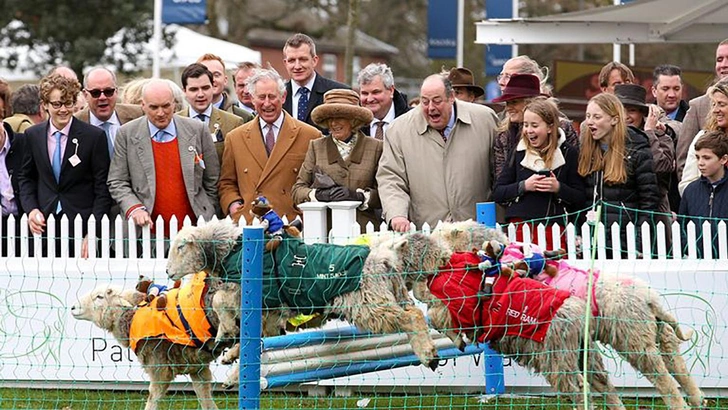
(702, 202)
(682, 109)
(537, 205)
(82, 189)
(13, 160)
(315, 97)
(400, 107)
(638, 192)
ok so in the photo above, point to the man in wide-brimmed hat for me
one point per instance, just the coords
(343, 165)
(463, 84)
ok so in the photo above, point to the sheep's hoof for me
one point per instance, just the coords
(433, 364)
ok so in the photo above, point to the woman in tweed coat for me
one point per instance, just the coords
(343, 165)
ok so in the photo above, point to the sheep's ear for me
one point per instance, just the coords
(109, 291)
(400, 244)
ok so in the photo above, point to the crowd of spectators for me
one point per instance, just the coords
(151, 148)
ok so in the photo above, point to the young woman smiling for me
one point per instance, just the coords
(540, 182)
(617, 164)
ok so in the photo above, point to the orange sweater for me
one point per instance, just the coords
(171, 196)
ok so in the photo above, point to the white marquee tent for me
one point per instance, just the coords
(188, 46)
(640, 21)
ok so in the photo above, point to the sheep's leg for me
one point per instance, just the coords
(599, 380)
(570, 384)
(226, 306)
(202, 383)
(160, 376)
(650, 363)
(231, 355)
(675, 364)
(384, 317)
(232, 380)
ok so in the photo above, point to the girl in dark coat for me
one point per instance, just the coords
(617, 164)
(540, 181)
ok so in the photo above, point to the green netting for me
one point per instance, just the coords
(49, 360)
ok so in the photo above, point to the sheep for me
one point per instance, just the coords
(631, 319)
(113, 309)
(540, 327)
(379, 304)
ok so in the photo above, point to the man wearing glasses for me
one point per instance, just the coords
(65, 163)
(99, 87)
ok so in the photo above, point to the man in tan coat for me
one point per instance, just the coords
(263, 156)
(437, 159)
(197, 85)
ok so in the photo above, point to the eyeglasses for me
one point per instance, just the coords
(108, 92)
(503, 76)
(58, 104)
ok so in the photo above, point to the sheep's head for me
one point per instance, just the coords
(464, 236)
(99, 305)
(421, 254)
(195, 249)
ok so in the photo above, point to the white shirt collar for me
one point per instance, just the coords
(97, 122)
(207, 112)
(388, 118)
(276, 124)
(309, 85)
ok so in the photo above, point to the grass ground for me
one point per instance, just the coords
(66, 399)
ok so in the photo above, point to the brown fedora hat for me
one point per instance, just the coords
(341, 103)
(462, 77)
(633, 95)
(521, 86)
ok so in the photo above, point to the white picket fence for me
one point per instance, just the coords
(344, 227)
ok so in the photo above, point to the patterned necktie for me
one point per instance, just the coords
(56, 164)
(270, 139)
(302, 103)
(379, 133)
(442, 134)
(110, 141)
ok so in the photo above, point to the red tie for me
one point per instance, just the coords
(270, 139)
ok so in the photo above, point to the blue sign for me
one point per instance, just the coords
(442, 29)
(184, 11)
(497, 55)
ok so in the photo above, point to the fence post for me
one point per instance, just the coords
(493, 361)
(315, 229)
(251, 301)
(344, 215)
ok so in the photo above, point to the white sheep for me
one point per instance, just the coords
(380, 304)
(112, 309)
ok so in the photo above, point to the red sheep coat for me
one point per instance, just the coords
(518, 306)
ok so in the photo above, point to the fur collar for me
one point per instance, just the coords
(534, 162)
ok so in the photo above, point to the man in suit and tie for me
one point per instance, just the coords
(197, 85)
(240, 79)
(99, 87)
(377, 93)
(65, 162)
(263, 156)
(220, 99)
(305, 89)
(164, 164)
